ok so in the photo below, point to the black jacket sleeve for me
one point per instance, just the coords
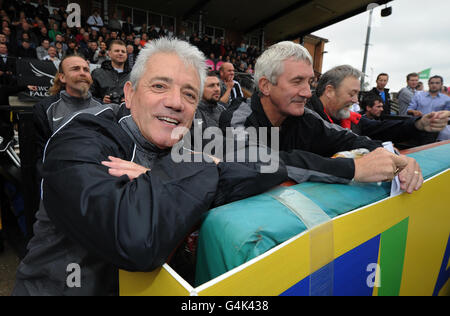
(389, 130)
(136, 224)
(318, 140)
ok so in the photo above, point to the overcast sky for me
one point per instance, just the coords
(415, 37)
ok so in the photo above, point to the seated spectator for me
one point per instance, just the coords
(43, 34)
(109, 80)
(230, 88)
(114, 23)
(92, 52)
(52, 54)
(54, 31)
(127, 26)
(152, 33)
(73, 48)
(373, 106)
(59, 50)
(210, 108)
(102, 53)
(41, 51)
(59, 39)
(7, 66)
(26, 37)
(96, 233)
(144, 39)
(95, 21)
(131, 57)
(26, 51)
(69, 94)
(42, 11)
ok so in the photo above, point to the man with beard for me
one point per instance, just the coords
(337, 90)
(210, 108)
(71, 95)
(283, 74)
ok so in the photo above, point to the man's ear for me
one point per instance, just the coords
(330, 92)
(264, 86)
(128, 90)
(61, 77)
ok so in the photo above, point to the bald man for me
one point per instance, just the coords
(230, 88)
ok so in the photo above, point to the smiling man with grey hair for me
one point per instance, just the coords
(113, 198)
(283, 74)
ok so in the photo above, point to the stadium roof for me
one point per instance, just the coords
(281, 19)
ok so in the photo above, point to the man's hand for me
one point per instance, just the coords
(229, 83)
(433, 122)
(415, 112)
(411, 178)
(106, 99)
(379, 165)
(118, 167)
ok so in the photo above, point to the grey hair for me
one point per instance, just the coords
(271, 63)
(335, 76)
(190, 55)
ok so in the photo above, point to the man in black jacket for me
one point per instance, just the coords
(110, 79)
(283, 74)
(338, 89)
(113, 197)
(381, 90)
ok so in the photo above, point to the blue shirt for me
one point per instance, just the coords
(425, 103)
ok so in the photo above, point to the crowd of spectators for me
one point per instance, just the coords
(35, 32)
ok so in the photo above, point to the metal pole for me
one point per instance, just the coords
(366, 51)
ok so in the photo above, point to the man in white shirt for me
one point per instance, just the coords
(95, 21)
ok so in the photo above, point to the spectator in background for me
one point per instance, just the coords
(54, 31)
(419, 86)
(52, 54)
(43, 34)
(373, 106)
(429, 101)
(41, 51)
(60, 39)
(102, 53)
(127, 26)
(95, 21)
(230, 88)
(210, 108)
(72, 48)
(92, 52)
(406, 94)
(381, 90)
(26, 51)
(131, 57)
(42, 11)
(109, 80)
(59, 50)
(7, 66)
(114, 23)
(445, 90)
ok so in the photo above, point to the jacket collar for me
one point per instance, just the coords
(316, 105)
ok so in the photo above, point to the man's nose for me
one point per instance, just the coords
(173, 100)
(305, 91)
